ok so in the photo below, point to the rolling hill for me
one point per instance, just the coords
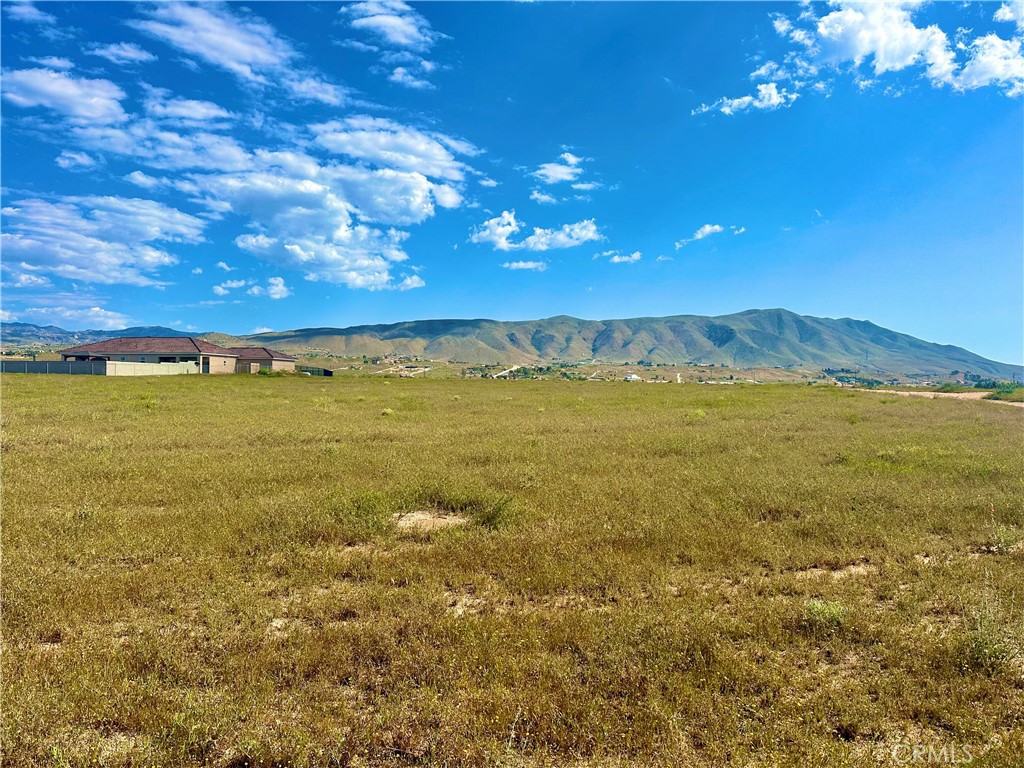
(754, 338)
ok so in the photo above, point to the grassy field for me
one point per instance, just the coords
(218, 571)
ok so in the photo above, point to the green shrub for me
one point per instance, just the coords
(822, 618)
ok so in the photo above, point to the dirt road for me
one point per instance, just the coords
(933, 395)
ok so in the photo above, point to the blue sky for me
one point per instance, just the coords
(281, 165)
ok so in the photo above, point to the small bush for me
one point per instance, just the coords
(822, 618)
(387, 412)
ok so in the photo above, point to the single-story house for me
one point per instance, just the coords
(209, 358)
(251, 359)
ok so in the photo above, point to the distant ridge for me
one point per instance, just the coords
(754, 338)
(27, 333)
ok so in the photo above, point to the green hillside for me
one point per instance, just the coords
(770, 337)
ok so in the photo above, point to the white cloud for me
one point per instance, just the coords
(768, 97)
(543, 197)
(24, 279)
(244, 45)
(586, 186)
(51, 62)
(261, 329)
(387, 143)
(97, 239)
(160, 105)
(741, 230)
(123, 53)
(21, 10)
(410, 282)
(554, 173)
(632, 258)
(223, 289)
(1012, 11)
(488, 183)
(498, 230)
(139, 179)
(256, 290)
(885, 33)
(567, 236)
(77, 319)
(664, 258)
(402, 76)
(884, 36)
(84, 102)
(149, 142)
(225, 267)
(993, 61)
(536, 266)
(197, 270)
(70, 160)
(704, 231)
(7, 317)
(276, 289)
(393, 22)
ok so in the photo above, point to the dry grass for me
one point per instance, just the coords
(215, 571)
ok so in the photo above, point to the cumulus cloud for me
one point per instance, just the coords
(160, 104)
(872, 39)
(768, 97)
(705, 231)
(276, 289)
(123, 53)
(22, 10)
(70, 160)
(1013, 12)
(244, 45)
(498, 230)
(223, 265)
(392, 22)
(402, 76)
(391, 144)
(77, 319)
(97, 239)
(223, 289)
(567, 168)
(83, 101)
(543, 197)
(620, 258)
(536, 266)
(410, 282)
(51, 62)
(159, 146)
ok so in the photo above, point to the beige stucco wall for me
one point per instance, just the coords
(274, 365)
(220, 364)
(150, 369)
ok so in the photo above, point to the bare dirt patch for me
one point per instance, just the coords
(427, 520)
(859, 568)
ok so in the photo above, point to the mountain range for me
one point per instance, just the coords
(754, 338)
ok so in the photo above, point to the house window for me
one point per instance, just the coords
(122, 359)
(142, 358)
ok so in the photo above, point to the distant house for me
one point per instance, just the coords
(209, 358)
(252, 359)
(631, 377)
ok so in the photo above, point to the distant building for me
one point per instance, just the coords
(631, 377)
(252, 359)
(209, 358)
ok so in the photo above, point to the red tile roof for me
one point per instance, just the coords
(260, 353)
(150, 345)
